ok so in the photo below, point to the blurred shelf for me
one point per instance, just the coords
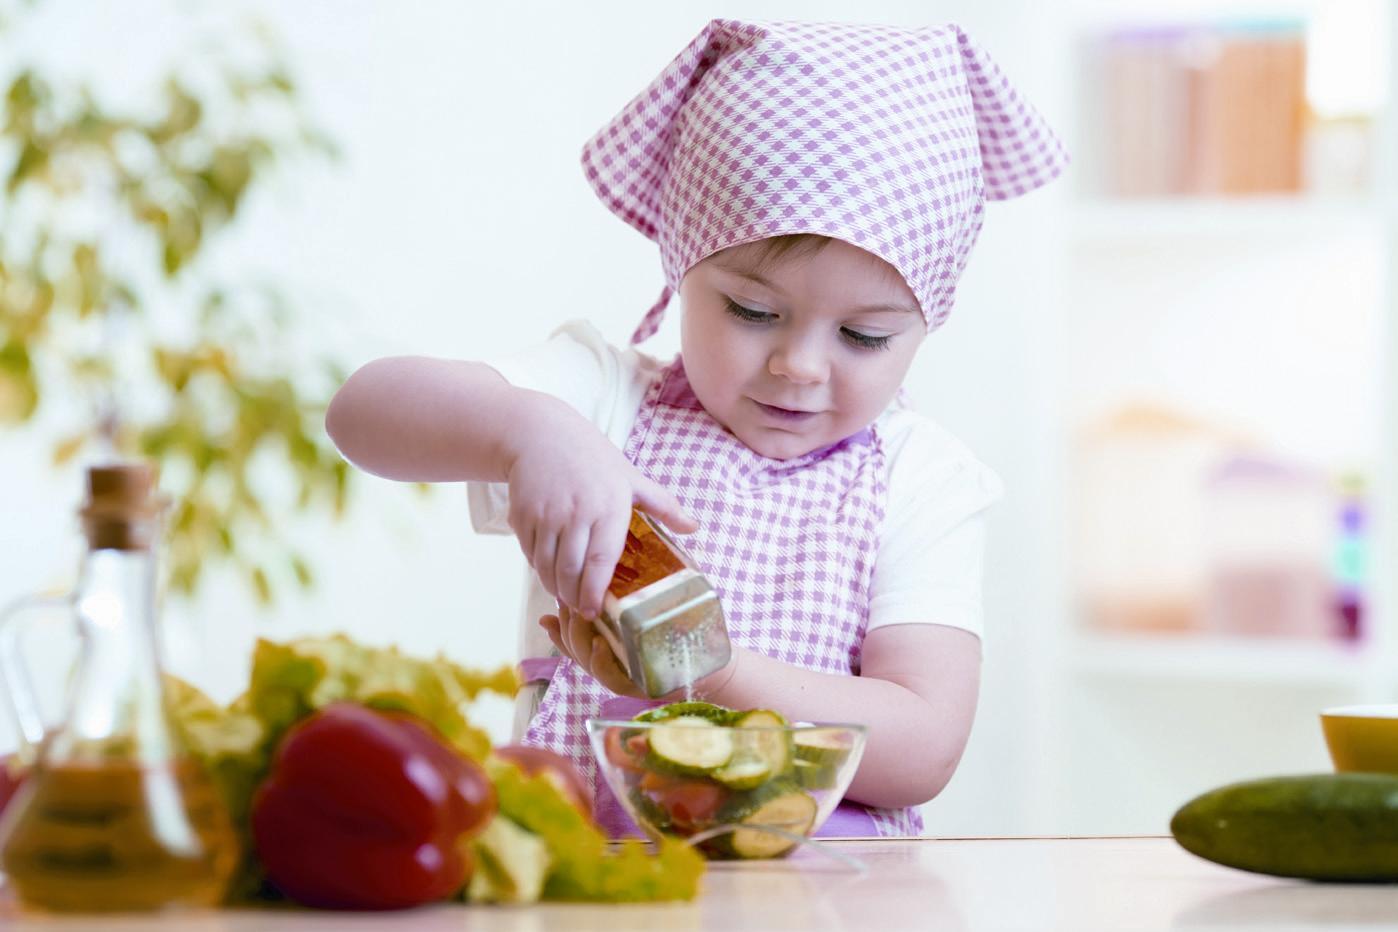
(1123, 218)
(1186, 657)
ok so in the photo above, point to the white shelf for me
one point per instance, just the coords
(1098, 220)
(1194, 657)
(1168, 298)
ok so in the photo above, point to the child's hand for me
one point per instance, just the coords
(579, 640)
(571, 493)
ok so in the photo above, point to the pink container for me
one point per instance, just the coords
(1269, 529)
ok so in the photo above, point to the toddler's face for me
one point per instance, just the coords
(802, 352)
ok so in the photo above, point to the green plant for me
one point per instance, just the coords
(107, 294)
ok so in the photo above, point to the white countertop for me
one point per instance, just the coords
(1074, 884)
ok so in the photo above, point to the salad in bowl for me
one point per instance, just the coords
(737, 783)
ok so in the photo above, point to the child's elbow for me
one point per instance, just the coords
(337, 419)
(344, 416)
(930, 786)
(919, 779)
(914, 789)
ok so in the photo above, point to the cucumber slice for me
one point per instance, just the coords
(779, 805)
(690, 745)
(650, 814)
(714, 713)
(744, 772)
(813, 776)
(761, 750)
(825, 746)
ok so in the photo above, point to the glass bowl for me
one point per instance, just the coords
(753, 789)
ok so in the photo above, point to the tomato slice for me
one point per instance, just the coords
(658, 781)
(691, 804)
(619, 753)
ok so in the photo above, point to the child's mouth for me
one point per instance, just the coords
(784, 414)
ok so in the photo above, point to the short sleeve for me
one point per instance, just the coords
(931, 551)
(578, 366)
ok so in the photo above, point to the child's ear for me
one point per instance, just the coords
(1018, 150)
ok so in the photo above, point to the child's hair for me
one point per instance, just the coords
(773, 250)
(792, 245)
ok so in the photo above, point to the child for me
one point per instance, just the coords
(815, 190)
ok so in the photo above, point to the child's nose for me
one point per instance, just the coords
(800, 361)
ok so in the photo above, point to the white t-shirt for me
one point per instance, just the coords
(928, 569)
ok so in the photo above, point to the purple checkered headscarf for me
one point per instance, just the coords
(890, 139)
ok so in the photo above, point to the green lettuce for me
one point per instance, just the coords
(511, 864)
(585, 865)
(292, 680)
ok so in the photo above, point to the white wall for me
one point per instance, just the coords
(458, 224)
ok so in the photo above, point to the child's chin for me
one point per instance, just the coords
(778, 446)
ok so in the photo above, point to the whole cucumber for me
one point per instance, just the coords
(1332, 826)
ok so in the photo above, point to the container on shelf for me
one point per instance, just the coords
(1269, 537)
(1202, 108)
(1339, 155)
(1232, 108)
(1138, 474)
(1351, 558)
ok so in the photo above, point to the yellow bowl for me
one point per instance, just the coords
(1362, 738)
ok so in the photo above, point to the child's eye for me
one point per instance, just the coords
(866, 341)
(854, 337)
(747, 313)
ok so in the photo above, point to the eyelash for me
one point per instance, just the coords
(853, 337)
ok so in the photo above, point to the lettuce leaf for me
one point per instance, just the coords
(584, 866)
(290, 680)
(511, 864)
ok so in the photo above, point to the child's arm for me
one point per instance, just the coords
(418, 419)
(916, 693)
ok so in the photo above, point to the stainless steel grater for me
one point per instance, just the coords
(660, 614)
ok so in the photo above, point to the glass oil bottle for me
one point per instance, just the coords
(113, 814)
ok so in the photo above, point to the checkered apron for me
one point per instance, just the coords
(788, 544)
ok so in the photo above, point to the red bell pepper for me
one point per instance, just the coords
(368, 810)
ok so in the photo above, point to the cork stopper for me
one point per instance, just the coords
(123, 509)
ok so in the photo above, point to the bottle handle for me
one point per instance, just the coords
(14, 673)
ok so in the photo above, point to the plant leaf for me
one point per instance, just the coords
(69, 448)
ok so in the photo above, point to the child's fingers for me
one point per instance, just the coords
(550, 625)
(603, 552)
(583, 632)
(658, 502)
(560, 633)
(525, 539)
(569, 565)
(545, 547)
(580, 641)
(607, 670)
(578, 632)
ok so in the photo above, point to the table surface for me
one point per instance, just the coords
(944, 884)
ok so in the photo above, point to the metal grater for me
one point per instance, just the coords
(660, 615)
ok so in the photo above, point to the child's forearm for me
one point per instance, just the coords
(917, 728)
(418, 419)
